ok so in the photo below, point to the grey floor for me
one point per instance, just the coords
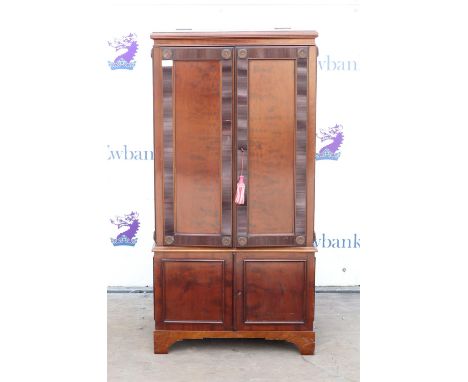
(130, 348)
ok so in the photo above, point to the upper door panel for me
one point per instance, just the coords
(271, 145)
(197, 145)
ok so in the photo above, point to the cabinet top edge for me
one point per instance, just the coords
(235, 35)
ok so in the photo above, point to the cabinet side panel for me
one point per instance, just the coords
(311, 131)
(272, 125)
(158, 145)
(197, 117)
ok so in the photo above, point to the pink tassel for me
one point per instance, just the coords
(240, 193)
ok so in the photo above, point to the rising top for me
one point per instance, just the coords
(235, 38)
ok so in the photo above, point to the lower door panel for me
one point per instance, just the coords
(193, 290)
(274, 290)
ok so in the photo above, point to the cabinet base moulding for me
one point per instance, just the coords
(304, 340)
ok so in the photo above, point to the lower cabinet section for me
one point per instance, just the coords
(231, 293)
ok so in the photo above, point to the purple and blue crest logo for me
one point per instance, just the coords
(126, 48)
(131, 224)
(330, 142)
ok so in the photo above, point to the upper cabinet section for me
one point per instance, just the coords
(234, 38)
(228, 105)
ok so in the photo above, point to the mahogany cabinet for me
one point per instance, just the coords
(231, 105)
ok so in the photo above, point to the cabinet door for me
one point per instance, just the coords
(272, 117)
(197, 146)
(193, 290)
(274, 290)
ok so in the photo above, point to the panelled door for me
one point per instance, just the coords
(197, 145)
(272, 88)
(274, 290)
(193, 290)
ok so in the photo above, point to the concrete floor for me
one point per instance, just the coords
(130, 348)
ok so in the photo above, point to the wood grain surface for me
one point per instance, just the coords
(197, 121)
(273, 290)
(193, 290)
(272, 127)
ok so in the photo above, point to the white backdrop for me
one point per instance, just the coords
(400, 182)
(126, 139)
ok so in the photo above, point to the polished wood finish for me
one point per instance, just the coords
(274, 291)
(271, 123)
(304, 341)
(193, 290)
(213, 94)
(197, 117)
